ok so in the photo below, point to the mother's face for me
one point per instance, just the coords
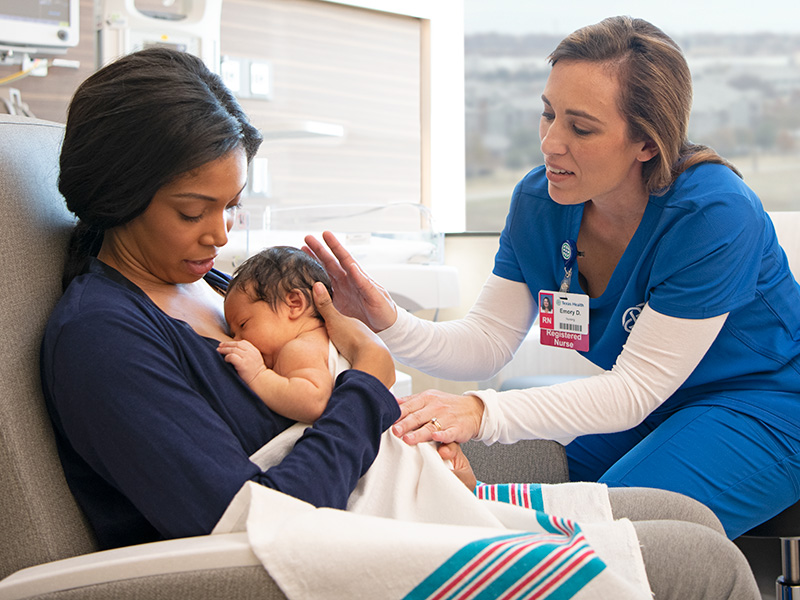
(178, 236)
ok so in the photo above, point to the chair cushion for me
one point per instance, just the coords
(527, 461)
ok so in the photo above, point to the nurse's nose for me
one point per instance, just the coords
(553, 139)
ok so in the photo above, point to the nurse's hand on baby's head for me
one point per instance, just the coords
(355, 293)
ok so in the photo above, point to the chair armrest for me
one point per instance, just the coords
(210, 552)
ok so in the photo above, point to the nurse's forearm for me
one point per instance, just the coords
(659, 356)
(473, 348)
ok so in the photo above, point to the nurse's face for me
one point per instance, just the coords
(176, 239)
(587, 151)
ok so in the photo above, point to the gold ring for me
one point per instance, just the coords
(436, 423)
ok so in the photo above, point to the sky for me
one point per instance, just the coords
(673, 16)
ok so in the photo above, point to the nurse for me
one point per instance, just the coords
(665, 271)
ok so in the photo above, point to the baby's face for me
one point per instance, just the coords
(258, 323)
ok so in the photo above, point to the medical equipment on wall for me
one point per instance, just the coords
(189, 25)
(396, 244)
(39, 26)
(31, 33)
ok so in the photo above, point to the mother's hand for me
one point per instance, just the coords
(438, 416)
(362, 348)
(357, 295)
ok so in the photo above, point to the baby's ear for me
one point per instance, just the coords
(297, 302)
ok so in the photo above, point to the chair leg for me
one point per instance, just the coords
(787, 587)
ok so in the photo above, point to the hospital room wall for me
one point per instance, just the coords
(340, 65)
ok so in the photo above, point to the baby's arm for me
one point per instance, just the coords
(245, 357)
(299, 385)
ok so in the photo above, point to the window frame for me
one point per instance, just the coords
(443, 185)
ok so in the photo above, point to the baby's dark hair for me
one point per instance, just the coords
(274, 272)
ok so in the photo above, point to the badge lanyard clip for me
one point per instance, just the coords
(569, 252)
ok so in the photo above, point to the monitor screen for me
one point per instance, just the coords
(41, 11)
(39, 23)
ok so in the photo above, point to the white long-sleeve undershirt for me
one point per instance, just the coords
(473, 348)
(659, 355)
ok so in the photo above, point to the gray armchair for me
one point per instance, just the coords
(46, 546)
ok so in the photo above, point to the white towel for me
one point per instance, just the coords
(411, 526)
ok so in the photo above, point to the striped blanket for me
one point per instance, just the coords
(412, 531)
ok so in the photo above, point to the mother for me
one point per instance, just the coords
(154, 430)
(702, 395)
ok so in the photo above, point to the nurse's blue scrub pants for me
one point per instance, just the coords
(741, 468)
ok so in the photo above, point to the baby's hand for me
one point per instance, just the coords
(244, 357)
(458, 464)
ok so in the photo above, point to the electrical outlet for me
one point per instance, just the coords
(261, 79)
(231, 73)
(259, 177)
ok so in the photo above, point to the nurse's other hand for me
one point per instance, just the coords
(355, 293)
(438, 416)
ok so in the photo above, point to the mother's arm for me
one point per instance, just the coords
(125, 404)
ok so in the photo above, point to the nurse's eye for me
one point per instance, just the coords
(190, 218)
(580, 131)
(548, 116)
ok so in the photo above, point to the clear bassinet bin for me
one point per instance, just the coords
(397, 244)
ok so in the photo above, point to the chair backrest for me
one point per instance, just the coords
(39, 519)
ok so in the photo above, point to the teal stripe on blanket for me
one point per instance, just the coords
(521, 565)
(535, 493)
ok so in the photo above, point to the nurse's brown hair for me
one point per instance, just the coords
(656, 91)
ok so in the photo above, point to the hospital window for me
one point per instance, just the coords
(354, 117)
(746, 106)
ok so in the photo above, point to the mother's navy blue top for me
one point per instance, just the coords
(154, 428)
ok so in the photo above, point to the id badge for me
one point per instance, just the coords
(564, 320)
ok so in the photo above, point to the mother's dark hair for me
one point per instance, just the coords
(133, 127)
(655, 91)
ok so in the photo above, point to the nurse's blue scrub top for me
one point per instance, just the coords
(704, 248)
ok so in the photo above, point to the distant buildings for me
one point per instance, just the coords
(746, 95)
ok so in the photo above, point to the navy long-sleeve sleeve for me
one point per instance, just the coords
(154, 429)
